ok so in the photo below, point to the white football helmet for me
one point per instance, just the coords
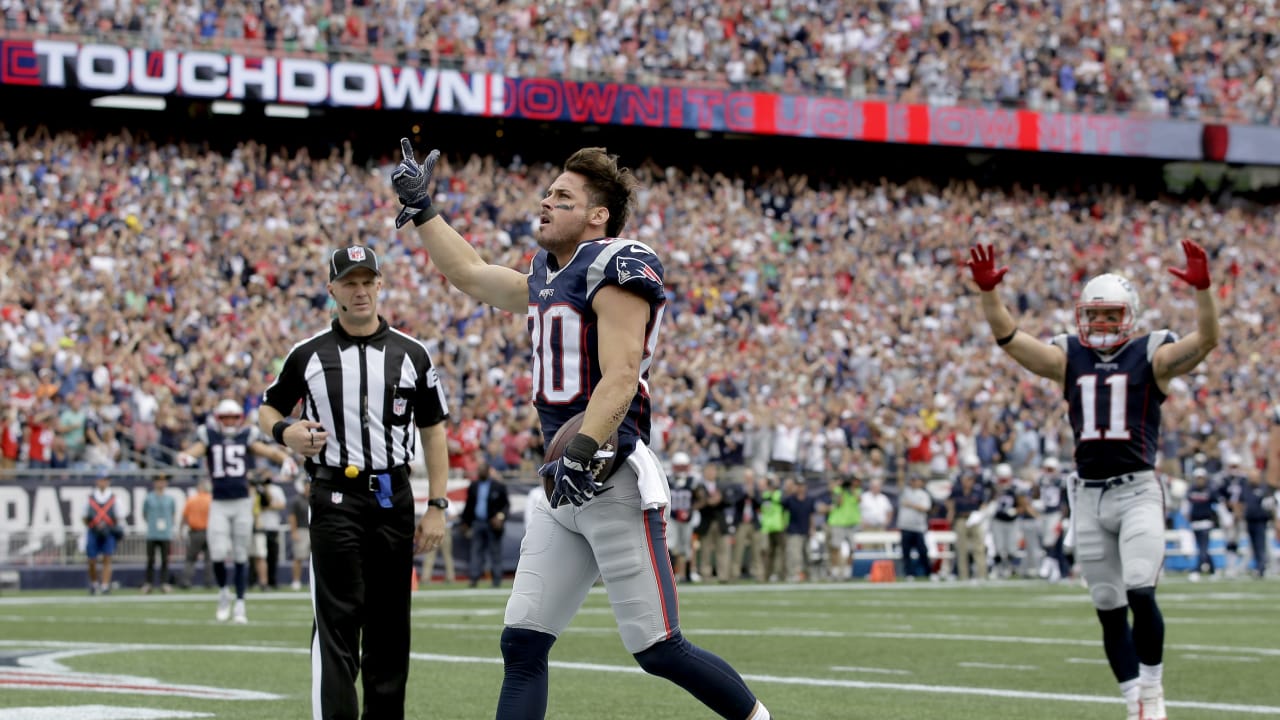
(229, 416)
(1103, 295)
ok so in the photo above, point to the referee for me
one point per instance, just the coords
(363, 387)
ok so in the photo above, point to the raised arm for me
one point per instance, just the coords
(1181, 357)
(1041, 358)
(499, 286)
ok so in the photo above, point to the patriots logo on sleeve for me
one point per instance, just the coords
(630, 268)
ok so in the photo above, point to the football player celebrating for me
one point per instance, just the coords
(227, 446)
(593, 304)
(1114, 381)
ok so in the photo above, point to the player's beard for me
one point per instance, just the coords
(562, 237)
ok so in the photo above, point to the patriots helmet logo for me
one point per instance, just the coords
(631, 268)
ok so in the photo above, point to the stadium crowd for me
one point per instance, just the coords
(1195, 60)
(829, 329)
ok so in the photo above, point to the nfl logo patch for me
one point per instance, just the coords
(355, 254)
(336, 498)
(398, 406)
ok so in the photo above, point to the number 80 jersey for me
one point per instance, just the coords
(1114, 404)
(564, 333)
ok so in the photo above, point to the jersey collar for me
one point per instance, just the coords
(383, 330)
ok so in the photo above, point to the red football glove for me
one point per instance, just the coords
(1197, 273)
(982, 263)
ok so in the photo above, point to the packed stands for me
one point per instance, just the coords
(141, 282)
(1194, 60)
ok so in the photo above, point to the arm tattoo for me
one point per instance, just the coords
(1185, 363)
(620, 414)
(563, 206)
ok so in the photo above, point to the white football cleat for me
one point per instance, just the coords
(1151, 703)
(238, 616)
(224, 606)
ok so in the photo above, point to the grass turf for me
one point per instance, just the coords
(885, 651)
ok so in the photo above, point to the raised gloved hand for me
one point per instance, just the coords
(982, 263)
(185, 460)
(573, 473)
(1197, 273)
(411, 182)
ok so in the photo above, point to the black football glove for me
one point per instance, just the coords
(574, 473)
(573, 482)
(411, 182)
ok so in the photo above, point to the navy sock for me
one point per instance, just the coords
(1117, 640)
(524, 677)
(220, 573)
(1148, 626)
(703, 674)
(241, 575)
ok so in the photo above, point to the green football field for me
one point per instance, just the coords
(883, 651)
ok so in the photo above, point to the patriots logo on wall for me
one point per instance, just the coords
(399, 405)
(355, 254)
(631, 268)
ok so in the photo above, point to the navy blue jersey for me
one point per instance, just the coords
(1052, 489)
(1200, 502)
(1006, 503)
(1253, 499)
(1114, 405)
(228, 458)
(682, 499)
(1231, 487)
(564, 333)
(967, 502)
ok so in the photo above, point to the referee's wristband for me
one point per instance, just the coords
(1007, 338)
(277, 430)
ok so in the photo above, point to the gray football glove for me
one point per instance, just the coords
(411, 182)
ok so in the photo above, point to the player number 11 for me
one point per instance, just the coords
(1116, 429)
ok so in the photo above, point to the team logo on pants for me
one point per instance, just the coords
(336, 498)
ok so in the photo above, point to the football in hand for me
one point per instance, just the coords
(556, 447)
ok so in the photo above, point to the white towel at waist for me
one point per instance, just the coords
(650, 478)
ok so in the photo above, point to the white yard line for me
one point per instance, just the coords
(635, 670)
(996, 666)
(1086, 661)
(835, 634)
(95, 712)
(872, 670)
(1219, 658)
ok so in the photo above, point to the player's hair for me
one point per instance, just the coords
(607, 184)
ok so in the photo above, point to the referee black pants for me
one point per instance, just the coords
(361, 565)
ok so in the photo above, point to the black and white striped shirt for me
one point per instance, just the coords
(368, 392)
